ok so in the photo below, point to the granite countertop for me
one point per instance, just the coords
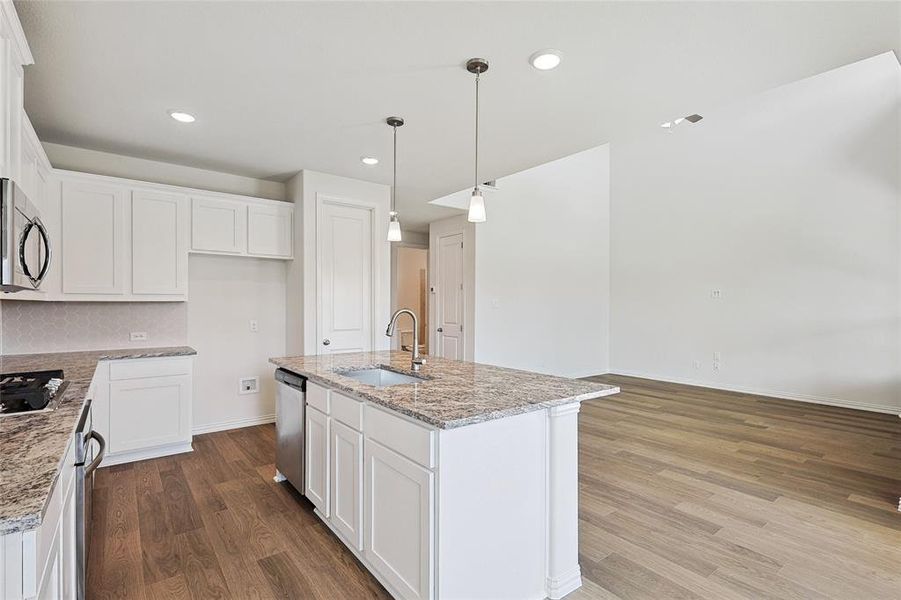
(454, 394)
(32, 446)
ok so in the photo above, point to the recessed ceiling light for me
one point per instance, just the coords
(369, 161)
(545, 60)
(182, 117)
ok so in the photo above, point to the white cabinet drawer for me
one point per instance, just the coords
(318, 397)
(138, 368)
(406, 438)
(347, 410)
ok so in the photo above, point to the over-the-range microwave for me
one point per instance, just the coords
(24, 244)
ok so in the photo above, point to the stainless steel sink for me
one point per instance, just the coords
(380, 377)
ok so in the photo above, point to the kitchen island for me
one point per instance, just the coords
(461, 482)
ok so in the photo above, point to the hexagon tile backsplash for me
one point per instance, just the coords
(27, 327)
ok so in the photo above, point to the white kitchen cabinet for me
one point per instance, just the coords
(143, 407)
(218, 225)
(159, 242)
(398, 533)
(94, 252)
(150, 412)
(270, 230)
(346, 474)
(14, 54)
(317, 459)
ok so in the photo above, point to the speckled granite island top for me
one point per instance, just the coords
(453, 393)
(32, 446)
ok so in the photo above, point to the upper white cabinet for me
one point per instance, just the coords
(14, 55)
(270, 230)
(159, 242)
(93, 238)
(247, 228)
(218, 226)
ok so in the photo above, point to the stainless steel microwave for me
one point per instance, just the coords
(24, 244)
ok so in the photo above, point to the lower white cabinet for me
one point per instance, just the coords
(40, 563)
(317, 460)
(399, 529)
(424, 510)
(143, 407)
(378, 500)
(346, 470)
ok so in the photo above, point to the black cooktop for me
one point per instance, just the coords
(29, 391)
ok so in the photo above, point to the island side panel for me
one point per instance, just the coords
(492, 509)
(563, 573)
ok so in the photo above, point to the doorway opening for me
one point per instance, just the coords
(411, 291)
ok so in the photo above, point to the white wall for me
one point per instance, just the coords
(789, 204)
(129, 167)
(226, 293)
(408, 265)
(542, 268)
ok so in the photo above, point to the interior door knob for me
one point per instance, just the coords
(441, 330)
(326, 342)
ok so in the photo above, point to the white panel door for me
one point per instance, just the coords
(218, 225)
(145, 413)
(345, 278)
(398, 520)
(450, 297)
(94, 250)
(270, 230)
(347, 482)
(159, 242)
(317, 460)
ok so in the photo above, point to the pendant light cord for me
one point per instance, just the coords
(394, 185)
(477, 130)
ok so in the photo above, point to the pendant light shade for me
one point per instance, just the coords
(477, 207)
(394, 234)
(477, 201)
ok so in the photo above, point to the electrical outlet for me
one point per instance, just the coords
(248, 385)
(716, 361)
(254, 326)
(696, 364)
(716, 294)
(138, 336)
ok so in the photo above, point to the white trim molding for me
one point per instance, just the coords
(234, 424)
(135, 455)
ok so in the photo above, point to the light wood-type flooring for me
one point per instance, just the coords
(685, 493)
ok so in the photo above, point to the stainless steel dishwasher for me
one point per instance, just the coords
(290, 415)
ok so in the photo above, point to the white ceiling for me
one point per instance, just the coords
(281, 86)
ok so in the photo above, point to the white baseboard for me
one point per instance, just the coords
(880, 408)
(135, 455)
(233, 424)
(558, 587)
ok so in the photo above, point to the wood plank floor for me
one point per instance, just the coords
(685, 493)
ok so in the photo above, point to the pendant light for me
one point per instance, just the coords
(394, 234)
(477, 202)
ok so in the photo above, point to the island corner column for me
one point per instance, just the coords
(563, 571)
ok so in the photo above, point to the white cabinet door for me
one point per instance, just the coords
(345, 278)
(68, 569)
(159, 243)
(144, 413)
(50, 587)
(398, 520)
(347, 482)
(218, 225)
(94, 252)
(317, 460)
(270, 230)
